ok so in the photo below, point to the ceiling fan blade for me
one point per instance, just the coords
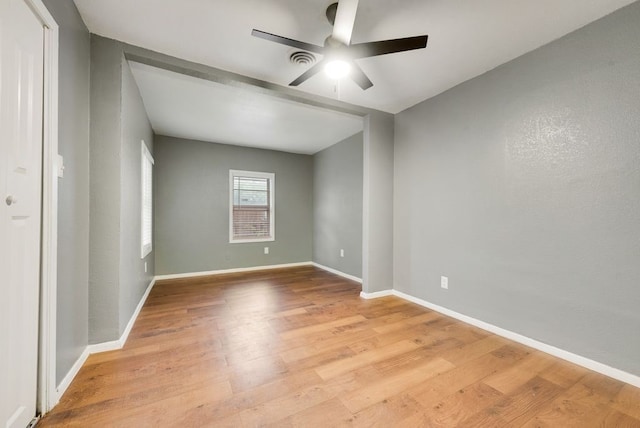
(345, 18)
(286, 41)
(363, 50)
(308, 74)
(358, 76)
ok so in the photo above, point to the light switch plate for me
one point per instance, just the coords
(60, 166)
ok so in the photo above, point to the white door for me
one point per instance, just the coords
(21, 95)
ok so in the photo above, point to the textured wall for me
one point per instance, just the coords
(191, 205)
(337, 206)
(377, 238)
(118, 123)
(135, 127)
(378, 148)
(523, 187)
(73, 189)
(105, 157)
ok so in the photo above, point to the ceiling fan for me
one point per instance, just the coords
(338, 53)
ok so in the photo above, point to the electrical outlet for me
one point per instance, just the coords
(444, 282)
(341, 253)
(266, 250)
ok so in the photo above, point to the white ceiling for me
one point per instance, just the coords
(188, 107)
(466, 39)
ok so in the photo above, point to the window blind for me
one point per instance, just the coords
(147, 201)
(251, 211)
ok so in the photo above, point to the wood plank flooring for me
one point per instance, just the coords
(299, 347)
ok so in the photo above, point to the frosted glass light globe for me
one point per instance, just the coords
(337, 69)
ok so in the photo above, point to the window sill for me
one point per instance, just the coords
(247, 241)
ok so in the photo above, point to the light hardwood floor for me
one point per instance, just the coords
(299, 347)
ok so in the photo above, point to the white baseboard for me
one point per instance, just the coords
(540, 346)
(112, 345)
(337, 272)
(66, 381)
(376, 294)
(256, 268)
(235, 270)
(104, 346)
(134, 316)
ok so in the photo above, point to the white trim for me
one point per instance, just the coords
(145, 156)
(119, 344)
(66, 381)
(47, 397)
(235, 270)
(527, 341)
(376, 294)
(113, 345)
(337, 272)
(134, 316)
(249, 241)
(102, 347)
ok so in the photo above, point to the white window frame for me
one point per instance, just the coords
(147, 160)
(272, 209)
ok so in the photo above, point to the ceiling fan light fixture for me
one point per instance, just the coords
(337, 68)
(338, 53)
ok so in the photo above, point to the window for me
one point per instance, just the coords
(251, 206)
(147, 201)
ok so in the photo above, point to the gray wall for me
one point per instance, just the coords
(378, 158)
(337, 206)
(191, 206)
(118, 123)
(135, 128)
(73, 189)
(522, 186)
(377, 238)
(105, 155)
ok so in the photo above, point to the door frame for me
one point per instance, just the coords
(47, 388)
